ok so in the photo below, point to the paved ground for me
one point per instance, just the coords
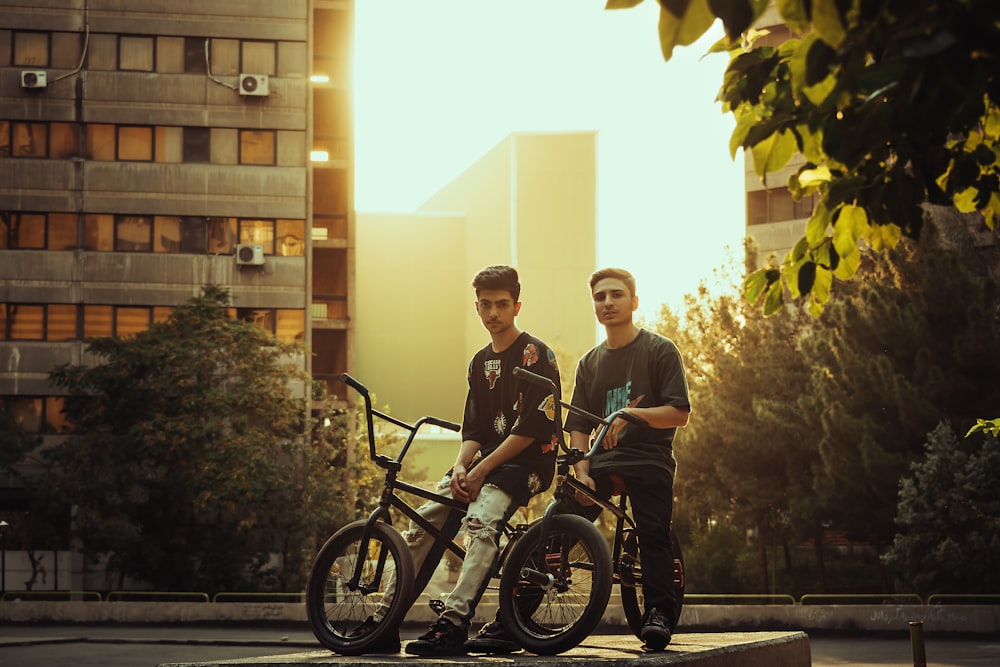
(148, 646)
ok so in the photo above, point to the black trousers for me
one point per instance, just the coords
(652, 508)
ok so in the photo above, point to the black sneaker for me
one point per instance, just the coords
(492, 638)
(386, 644)
(655, 630)
(444, 638)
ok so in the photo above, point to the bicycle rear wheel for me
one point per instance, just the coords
(336, 610)
(630, 576)
(550, 607)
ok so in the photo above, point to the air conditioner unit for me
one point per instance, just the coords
(33, 78)
(254, 84)
(249, 255)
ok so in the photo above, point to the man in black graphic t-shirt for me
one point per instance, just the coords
(508, 429)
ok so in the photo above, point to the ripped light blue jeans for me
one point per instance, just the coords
(483, 521)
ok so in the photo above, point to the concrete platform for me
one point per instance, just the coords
(723, 649)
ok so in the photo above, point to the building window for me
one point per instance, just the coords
(170, 55)
(135, 53)
(53, 419)
(258, 232)
(60, 322)
(67, 49)
(194, 235)
(284, 324)
(98, 321)
(133, 233)
(290, 325)
(100, 142)
(135, 143)
(41, 140)
(194, 55)
(26, 412)
(221, 236)
(29, 139)
(290, 238)
(31, 49)
(37, 414)
(197, 144)
(777, 205)
(257, 147)
(64, 140)
(55, 231)
(99, 232)
(25, 321)
(258, 57)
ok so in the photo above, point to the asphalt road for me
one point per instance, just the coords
(148, 646)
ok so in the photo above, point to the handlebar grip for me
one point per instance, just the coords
(451, 426)
(351, 382)
(533, 378)
(632, 419)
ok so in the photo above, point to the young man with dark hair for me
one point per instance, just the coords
(510, 426)
(641, 372)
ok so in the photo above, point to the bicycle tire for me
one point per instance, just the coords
(334, 611)
(630, 579)
(553, 620)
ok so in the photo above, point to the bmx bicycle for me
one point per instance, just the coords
(553, 606)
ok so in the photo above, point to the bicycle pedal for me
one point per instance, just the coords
(437, 606)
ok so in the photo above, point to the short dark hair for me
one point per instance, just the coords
(620, 274)
(498, 277)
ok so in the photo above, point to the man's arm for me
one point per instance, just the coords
(661, 416)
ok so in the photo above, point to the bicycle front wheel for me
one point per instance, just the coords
(341, 613)
(630, 576)
(553, 594)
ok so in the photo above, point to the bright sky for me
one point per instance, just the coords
(440, 82)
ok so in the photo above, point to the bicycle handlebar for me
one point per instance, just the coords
(371, 412)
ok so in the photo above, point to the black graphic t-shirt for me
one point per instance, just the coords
(499, 404)
(648, 372)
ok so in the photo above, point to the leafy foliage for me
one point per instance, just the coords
(809, 422)
(949, 518)
(190, 466)
(892, 104)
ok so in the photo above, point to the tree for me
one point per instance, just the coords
(948, 518)
(892, 103)
(189, 466)
(749, 459)
(915, 341)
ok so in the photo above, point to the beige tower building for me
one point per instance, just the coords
(530, 202)
(148, 149)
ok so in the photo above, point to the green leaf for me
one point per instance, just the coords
(851, 225)
(755, 284)
(794, 14)
(774, 152)
(847, 265)
(622, 4)
(817, 225)
(883, 237)
(826, 21)
(822, 284)
(774, 299)
(683, 30)
(814, 176)
(965, 201)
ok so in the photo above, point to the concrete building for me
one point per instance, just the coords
(150, 149)
(530, 202)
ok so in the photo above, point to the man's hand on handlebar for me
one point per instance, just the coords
(617, 426)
